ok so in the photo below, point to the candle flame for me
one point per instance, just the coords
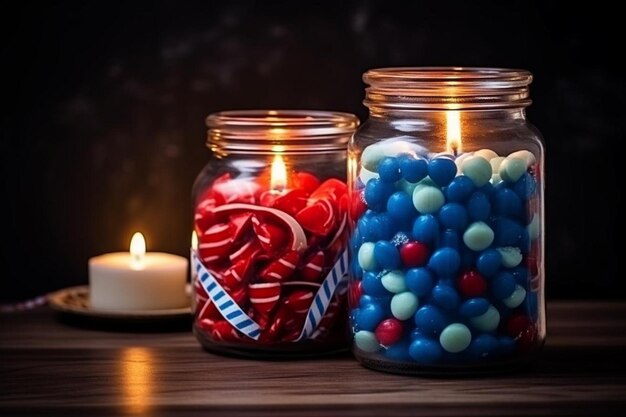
(194, 240)
(278, 180)
(137, 250)
(454, 145)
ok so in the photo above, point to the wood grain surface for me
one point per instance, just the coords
(49, 367)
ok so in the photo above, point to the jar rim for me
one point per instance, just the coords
(446, 88)
(295, 131)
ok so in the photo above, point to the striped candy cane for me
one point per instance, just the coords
(229, 309)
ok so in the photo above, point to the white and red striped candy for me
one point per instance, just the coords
(264, 297)
(237, 274)
(332, 188)
(291, 202)
(299, 301)
(272, 238)
(249, 250)
(313, 268)
(318, 218)
(282, 268)
(306, 181)
(237, 191)
(223, 331)
(215, 242)
(240, 224)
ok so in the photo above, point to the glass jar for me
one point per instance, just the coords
(446, 189)
(270, 266)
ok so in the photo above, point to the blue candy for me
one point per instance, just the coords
(382, 227)
(430, 320)
(412, 169)
(478, 206)
(520, 273)
(366, 300)
(487, 189)
(426, 228)
(453, 216)
(506, 346)
(446, 296)
(459, 189)
(368, 316)
(506, 203)
(376, 193)
(449, 238)
(483, 347)
(425, 351)
(400, 206)
(365, 230)
(507, 232)
(488, 262)
(441, 171)
(525, 187)
(419, 280)
(387, 255)
(398, 352)
(355, 270)
(502, 285)
(372, 285)
(389, 169)
(445, 261)
(474, 307)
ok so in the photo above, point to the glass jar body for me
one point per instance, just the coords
(447, 270)
(271, 226)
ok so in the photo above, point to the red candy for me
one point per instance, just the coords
(471, 284)
(414, 254)
(270, 251)
(358, 206)
(389, 331)
(517, 324)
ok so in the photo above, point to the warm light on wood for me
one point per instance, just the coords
(137, 379)
(454, 144)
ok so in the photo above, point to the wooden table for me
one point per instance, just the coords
(50, 368)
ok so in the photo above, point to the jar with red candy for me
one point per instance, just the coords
(269, 270)
(447, 223)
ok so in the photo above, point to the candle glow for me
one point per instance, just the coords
(137, 251)
(454, 145)
(278, 179)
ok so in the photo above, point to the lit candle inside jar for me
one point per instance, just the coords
(454, 145)
(138, 280)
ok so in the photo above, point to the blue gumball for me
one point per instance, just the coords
(382, 227)
(478, 206)
(387, 255)
(425, 351)
(489, 262)
(419, 280)
(483, 347)
(376, 193)
(400, 206)
(520, 273)
(426, 228)
(372, 285)
(367, 317)
(502, 285)
(389, 169)
(453, 216)
(412, 169)
(506, 346)
(507, 232)
(506, 203)
(446, 297)
(525, 187)
(474, 307)
(449, 238)
(441, 171)
(430, 320)
(445, 261)
(399, 352)
(459, 189)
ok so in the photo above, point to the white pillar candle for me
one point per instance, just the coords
(137, 280)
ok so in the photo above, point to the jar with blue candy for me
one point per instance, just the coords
(447, 223)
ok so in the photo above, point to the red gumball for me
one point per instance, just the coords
(389, 331)
(306, 181)
(414, 254)
(355, 291)
(527, 338)
(471, 284)
(517, 324)
(358, 205)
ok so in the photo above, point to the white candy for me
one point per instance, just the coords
(524, 155)
(533, 227)
(366, 257)
(515, 299)
(365, 175)
(496, 162)
(511, 256)
(486, 153)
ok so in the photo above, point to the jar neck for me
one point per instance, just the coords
(421, 89)
(289, 132)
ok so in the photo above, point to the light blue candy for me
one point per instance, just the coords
(516, 298)
(478, 169)
(478, 206)
(407, 187)
(453, 216)
(400, 206)
(488, 262)
(511, 256)
(366, 257)
(445, 261)
(366, 341)
(426, 228)
(512, 169)
(404, 305)
(419, 280)
(455, 338)
(502, 285)
(386, 255)
(533, 227)
(365, 175)
(478, 236)
(371, 157)
(425, 351)
(428, 199)
(412, 169)
(474, 307)
(459, 189)
(389, 169)
(393, 281)
(488, 321)
(446, 297)
(441, 171)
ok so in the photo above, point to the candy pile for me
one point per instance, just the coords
(270, 251)
(445, 253)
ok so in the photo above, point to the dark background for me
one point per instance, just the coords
(103, 128)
